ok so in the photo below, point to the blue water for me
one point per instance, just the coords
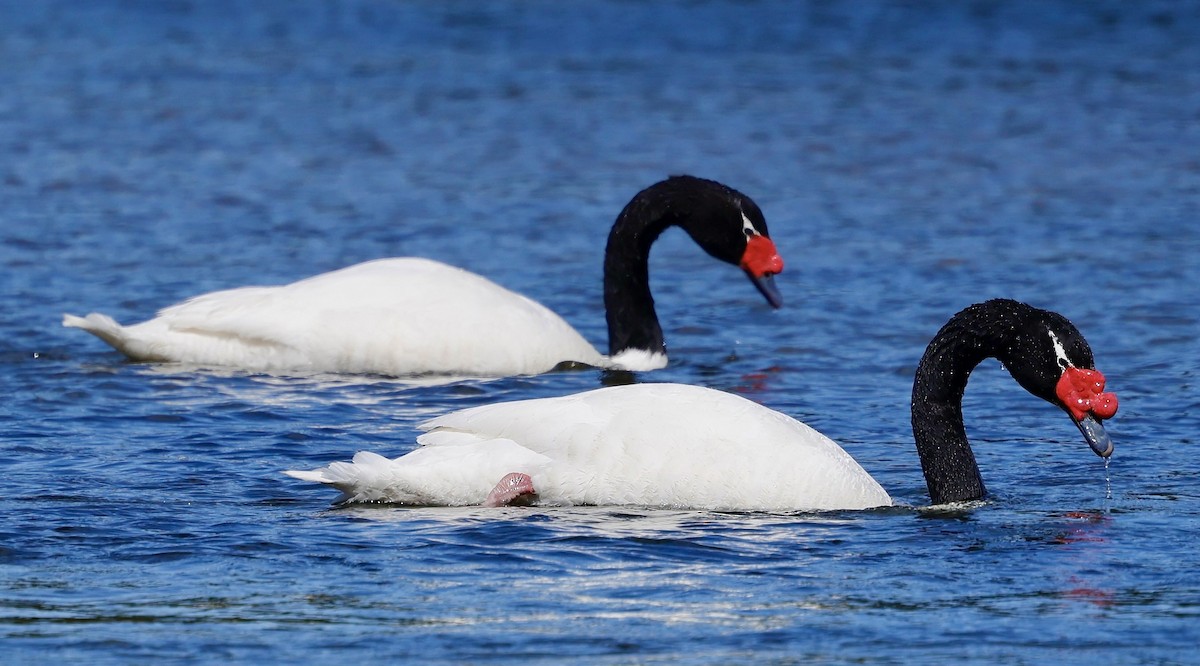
(911, 158)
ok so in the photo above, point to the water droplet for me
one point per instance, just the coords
(1107, 482)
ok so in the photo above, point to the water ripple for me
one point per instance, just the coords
(910, 160)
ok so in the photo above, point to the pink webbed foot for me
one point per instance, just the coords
(515, 489)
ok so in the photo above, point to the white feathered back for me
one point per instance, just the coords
(664, 445)
(400, 316)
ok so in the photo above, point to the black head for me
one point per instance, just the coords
(1039, 345)
(714, 215)
(727, 224)
(1051, 359)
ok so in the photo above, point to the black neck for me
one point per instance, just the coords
(978, 332)
(628, 305)
(711, 213)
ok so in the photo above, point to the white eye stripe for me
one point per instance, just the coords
(1060, 351)
(747, 227)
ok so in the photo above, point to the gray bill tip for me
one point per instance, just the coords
(1095, 435)
(766, 287)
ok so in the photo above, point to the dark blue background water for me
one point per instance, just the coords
(911, 158)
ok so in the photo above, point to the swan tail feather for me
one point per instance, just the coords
(102, 326)
(369, 477)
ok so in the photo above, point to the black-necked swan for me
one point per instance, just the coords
(412, 316)
(680, 446)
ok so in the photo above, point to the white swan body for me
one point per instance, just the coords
(672, 445)
(657, 445)
(401, 316)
